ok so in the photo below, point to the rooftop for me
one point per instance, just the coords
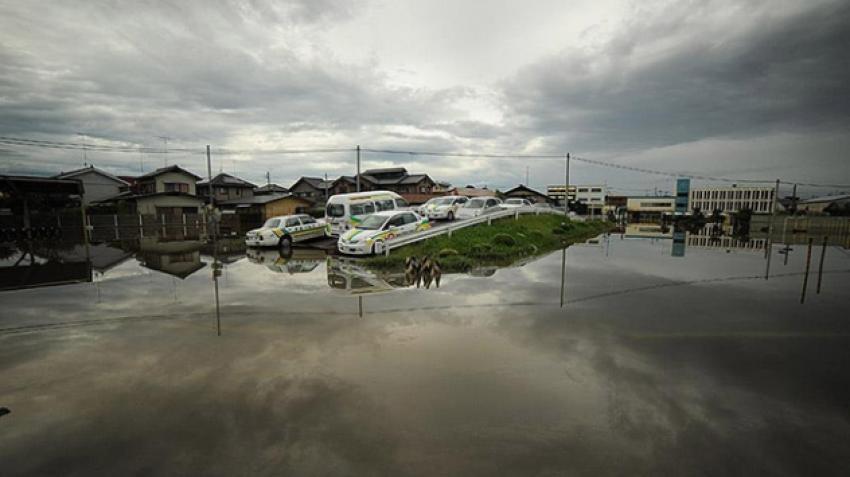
(224, 179)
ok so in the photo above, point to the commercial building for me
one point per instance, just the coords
(589, 199)
(760, 200)
(650, 208)
(683, 190)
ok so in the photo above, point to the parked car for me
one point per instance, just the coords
(479, 206)
(514, 203)
(442, 207)
(344, 211)
(286, 230)
(376, 230)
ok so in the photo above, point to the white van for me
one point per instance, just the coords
(343, 211)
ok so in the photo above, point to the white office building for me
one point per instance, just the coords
(592, 196)
(732, 199)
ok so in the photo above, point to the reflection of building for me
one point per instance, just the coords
(640, 230)
(707, 238)
(678, 244)
(299, 261)
(833, 205)
(732, 199)
(29, 269)
(177, 258)
(649, 209)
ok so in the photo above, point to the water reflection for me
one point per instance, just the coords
(676, 364)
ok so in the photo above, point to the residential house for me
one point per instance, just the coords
(271, 189)
(832, 205)
(441, 187)
(98, 184)
(396, 179)
(226, 187)
(267, 205)
(470, 191)
(168, 191)
(314, 189)
(525, 192)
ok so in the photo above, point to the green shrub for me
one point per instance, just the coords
(503, 239)
(480, 249)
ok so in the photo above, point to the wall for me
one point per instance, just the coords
(286, 206)
(148, 205)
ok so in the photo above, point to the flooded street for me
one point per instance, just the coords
(664, 358)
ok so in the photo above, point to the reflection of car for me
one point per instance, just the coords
(347, 276)
(286, 230)
(374, 231)
(515, 203)
(286, 260)
(479, 206)
(442, 207)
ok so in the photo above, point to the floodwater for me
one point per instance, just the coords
(622, 356)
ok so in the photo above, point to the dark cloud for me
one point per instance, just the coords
(682, 74)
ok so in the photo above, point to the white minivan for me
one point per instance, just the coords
(344, 211)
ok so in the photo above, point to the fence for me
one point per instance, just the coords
(461, 224)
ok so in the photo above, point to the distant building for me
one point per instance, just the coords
(683, 189)
(731, 199)
(441, 187)
(314, 189)
(226, 187)
(271, 189)
(267, 205)
(525, 192)
(832, 205)
(396, 179)
(556, 194)
(470, 191)
(589, 198)
(98, 184)
(649, 208)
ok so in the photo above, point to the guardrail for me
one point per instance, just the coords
(463, 223)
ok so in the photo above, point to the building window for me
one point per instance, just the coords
(177, 187)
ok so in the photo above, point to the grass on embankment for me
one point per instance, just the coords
(502, 243)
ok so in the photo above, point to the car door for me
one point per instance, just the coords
(411, 223)
(294, 228)
(395, 226)
(312, 228)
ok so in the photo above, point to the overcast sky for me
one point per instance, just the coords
(744, 89)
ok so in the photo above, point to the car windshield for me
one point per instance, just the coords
(272, 223)
(475, 204)
(441, 201)
(335, 210)
(372, 222)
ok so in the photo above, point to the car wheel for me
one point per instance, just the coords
(378, 248)
(451, 216)
(285, 241)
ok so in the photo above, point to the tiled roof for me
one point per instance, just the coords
(163, 170)
(224, 179)
(76, 172)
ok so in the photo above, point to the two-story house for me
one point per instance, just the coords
(226, 187)
(165, 191)
(97, 183)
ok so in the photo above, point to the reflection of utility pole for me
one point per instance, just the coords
(563, 272)
(360, 306)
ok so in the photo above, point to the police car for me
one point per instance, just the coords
(286, 230)
(372, 233)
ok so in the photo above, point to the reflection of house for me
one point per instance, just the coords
(832, 205)
(98, 184)
(28, 202)
(226, 187)
(299, 261)
(103, 257)
(179, 259)
(731, 199)
(525, 192)
(29, 269)
(649, 209)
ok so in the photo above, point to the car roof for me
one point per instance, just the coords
(484, 197)
(390, 213)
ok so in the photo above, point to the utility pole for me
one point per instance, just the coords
(358, 168)
(165, 157)
(268, 178)
(326, 187)
(567, 188)
(85, 159)
(209, 176)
